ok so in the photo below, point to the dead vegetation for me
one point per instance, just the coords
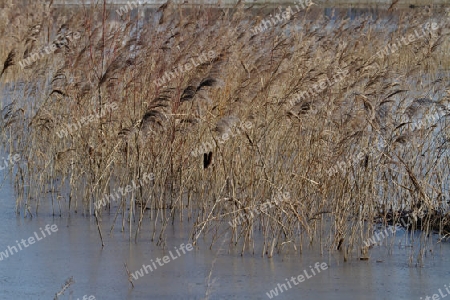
(251, 79)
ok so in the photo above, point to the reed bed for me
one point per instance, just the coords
(251, 79)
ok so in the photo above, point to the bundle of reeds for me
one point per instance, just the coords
(251, 78)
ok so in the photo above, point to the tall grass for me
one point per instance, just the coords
(251, 79)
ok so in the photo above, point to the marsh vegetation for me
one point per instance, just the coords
(251, 78)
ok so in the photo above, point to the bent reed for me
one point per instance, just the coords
(251, 77)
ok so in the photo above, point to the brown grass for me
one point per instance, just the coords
(252, 79)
